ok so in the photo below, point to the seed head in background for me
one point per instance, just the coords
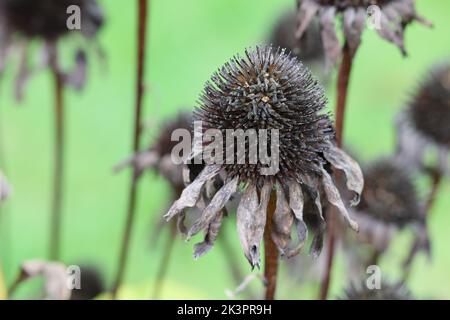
(424, 125)
(392, 17)
(389, 204)
(157, 157)
(387, 291)
(309, 49)
(265, 90)
(22, 21)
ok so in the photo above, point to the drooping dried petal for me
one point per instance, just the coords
(334, 198)
(329, 37)
(283, 221)
(392, 35)
(307, 11)
(251, 220)
(5, 189)
(213, 230)
(215, 207)
(296, 203)
(191, 193)
(77, 78)
(354, 22)
(342, 161)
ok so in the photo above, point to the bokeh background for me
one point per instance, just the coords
(187, 41)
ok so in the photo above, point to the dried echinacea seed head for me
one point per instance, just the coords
(309, 49)
(158, 156)
(388, 17)
(267, 92)
(386, 291)
(430, 108)
(389, 194)
(48, 18)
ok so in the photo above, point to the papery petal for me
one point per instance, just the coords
(191, 193)
(342, 161)
(334, 198)
(283, 221)
(251, 220)
(306, 13)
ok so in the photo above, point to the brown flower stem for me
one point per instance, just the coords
(342, 89)
(270, 252)
(58, 173)
(164, 264)
(142, 32)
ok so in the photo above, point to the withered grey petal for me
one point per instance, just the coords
(313, 185)
(191, 193)
(388, 33)
(302, 234)
(202, 248)
(317, 242)
(306, 13)
(353, 173)
(77, 78)
(141, 160)
(23, 73)
(55, 277)
(283, 221)
(5, 189)
(354, 22)
(215, 206)
(331, 44)
(251, 220)
(334, 198)
(296, 201)
(181, 223)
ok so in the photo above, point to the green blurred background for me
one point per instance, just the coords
(187, 41)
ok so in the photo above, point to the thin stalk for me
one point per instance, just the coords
(270, 252)
(142, 32)
(342, 89)
(58, 170)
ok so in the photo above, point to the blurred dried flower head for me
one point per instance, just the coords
(424, 124)
(269, 90)
(22, 21)
(5, 189)
(158, 155)
(91, 284)
(309, 49)
(390, 18)
(389, 202)
(387, 291)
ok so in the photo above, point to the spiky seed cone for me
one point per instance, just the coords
(48, 18)
(268, 90)
(388, 291)
(430, 108)
(389, 194)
